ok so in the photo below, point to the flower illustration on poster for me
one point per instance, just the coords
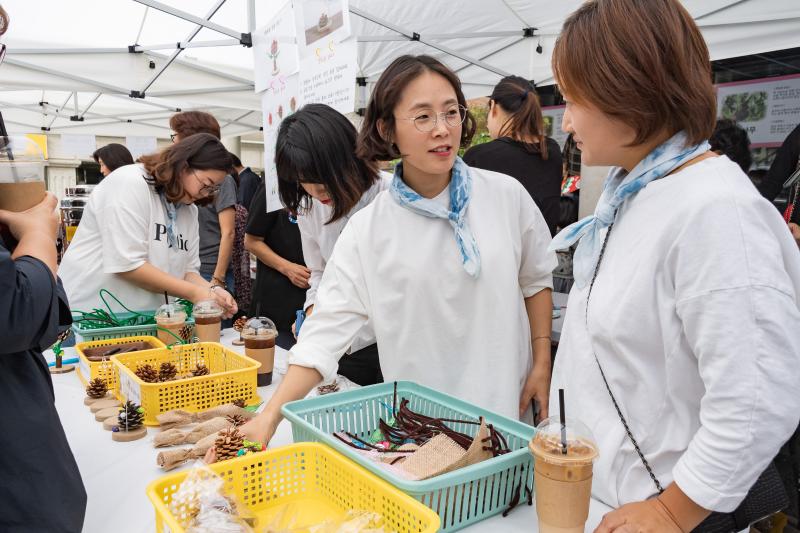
(275, 49)
(273, 54)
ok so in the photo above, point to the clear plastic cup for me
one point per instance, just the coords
(259, 336)
(172, 318)
(562, 481)
(207, 320)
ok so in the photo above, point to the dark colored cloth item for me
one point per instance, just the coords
(362, 367)
(240, 262)
(540, 177)
(208, 222)
(285, 340)
(783, 165)
(41, 489)
(249, 182)
(278, 298)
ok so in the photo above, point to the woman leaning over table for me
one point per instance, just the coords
(693, 314)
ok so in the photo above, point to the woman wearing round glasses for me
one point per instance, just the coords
(450, 264)
(138, 237)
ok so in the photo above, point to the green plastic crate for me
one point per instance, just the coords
(460, 498)
(99, 334)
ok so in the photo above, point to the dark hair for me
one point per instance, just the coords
(643, 62)
(201, 151)
(114, 155)
(4, 20)
(372, 146)
(191, 122)
(317, 144)
(517, 97)
(732, 140)
(236, 161)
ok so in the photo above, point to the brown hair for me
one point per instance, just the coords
(643, 62)
(191, 122)
(372, 146)
(3, 20)
(517, 97)
(201, 151)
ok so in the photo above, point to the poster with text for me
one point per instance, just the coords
(552, 123)
(319, 23)
(769, 109)
(141, 145)
(276, 104)
(329, 77)
(275, 49)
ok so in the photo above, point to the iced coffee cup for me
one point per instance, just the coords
(207, 320)
(562, 481)
(170, 320)
(21, 174)
(259, 343)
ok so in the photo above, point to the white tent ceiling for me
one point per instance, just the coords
(218, 79)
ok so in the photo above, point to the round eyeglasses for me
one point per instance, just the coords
(425, 121)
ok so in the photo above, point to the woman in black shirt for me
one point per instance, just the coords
(520, 148)
(281, 275)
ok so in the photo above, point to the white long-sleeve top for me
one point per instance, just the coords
(318, 239)
(434, 324)
(694, 317)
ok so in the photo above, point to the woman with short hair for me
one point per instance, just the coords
(112, 156)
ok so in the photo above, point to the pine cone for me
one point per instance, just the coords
(167, 372)
(97, 388)
(187, 333)
(200, 370)
(130, 417)
(239, 402)
(147, 373)
(236, 420)
(228, 444)
(240, 323)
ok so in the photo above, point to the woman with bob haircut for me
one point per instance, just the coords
(681, 348)
(325, 183)
(450, 265)
(519, 146)
(112, 156)
(138, 237)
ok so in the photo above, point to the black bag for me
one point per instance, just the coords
(766, 497)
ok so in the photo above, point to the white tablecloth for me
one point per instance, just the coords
(116, 473)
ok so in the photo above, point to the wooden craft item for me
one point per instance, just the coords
(90, 401)
(63, 370)
(100, 353)
(128, 436)
(102, 414)
(104, 404)
(111, 421)
(178, 417)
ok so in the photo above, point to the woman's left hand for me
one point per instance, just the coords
(226, 301)
(639, 517)
(537, 387)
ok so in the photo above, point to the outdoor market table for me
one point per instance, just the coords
(116, 474)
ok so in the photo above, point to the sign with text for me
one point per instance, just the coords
(329, 76)
(275, 50)
(552, 123)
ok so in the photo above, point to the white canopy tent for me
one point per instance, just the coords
(69, 67)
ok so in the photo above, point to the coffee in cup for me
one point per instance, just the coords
(562, 481)
(22, 184)
(170, 320)
(259, 336)
(207, 320)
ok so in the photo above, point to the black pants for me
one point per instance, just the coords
(362, 367)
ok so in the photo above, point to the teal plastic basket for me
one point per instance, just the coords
(101, 334)
(460, 498)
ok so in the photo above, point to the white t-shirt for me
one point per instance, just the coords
(319, 237)
(435, 324)
(694, 318)
(124, 226)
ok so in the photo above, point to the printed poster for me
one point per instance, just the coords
(275, 50)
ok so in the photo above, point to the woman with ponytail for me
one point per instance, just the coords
(519, 147)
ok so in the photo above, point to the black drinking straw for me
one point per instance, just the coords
(258, 309)
(563, 422)
(166, 301)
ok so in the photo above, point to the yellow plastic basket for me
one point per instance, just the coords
(89, 370)
(310, 477)
(232, 377)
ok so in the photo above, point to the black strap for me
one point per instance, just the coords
(608, 388)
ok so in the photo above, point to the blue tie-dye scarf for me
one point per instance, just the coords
(619, 186)
(460, 192)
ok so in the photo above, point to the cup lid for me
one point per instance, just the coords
(171, 311)
(260, 325)
(207, 308)
(547, 443)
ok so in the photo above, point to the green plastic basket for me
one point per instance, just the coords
(100, 334)
(460, 498)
